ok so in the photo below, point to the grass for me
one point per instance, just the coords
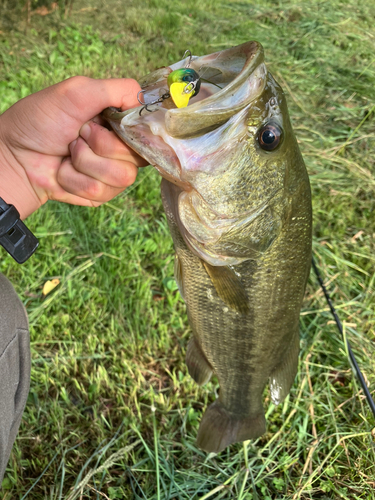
(112, 412)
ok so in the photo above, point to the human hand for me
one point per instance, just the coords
(53, 145)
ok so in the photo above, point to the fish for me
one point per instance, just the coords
(237, 199)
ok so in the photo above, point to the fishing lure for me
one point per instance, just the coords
(183, 84)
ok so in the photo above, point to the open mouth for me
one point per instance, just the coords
(230, 79)
(163, 134)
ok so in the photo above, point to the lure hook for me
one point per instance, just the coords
(187, 51)
(165, 96)
(140, 92)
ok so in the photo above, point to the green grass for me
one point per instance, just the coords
(112, 410)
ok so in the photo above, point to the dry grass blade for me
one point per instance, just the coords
(79, 488)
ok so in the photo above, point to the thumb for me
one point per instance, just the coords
(89, 96)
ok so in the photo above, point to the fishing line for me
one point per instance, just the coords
(351, 354)
(208, 67)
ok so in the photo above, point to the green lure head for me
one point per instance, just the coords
(187, 75)
(183, 84)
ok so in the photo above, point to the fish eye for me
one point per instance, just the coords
(270, 136)
(188, 78)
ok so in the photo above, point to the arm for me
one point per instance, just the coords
(53, 145)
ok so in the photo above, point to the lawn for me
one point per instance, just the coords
(112, 411)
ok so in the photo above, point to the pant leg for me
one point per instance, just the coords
(14, 368)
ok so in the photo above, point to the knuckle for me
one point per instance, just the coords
(131, 175)
(95, 190)
(125, 175)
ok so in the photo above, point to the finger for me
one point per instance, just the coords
(83, 186)
(106, 144)
(64, 196)
(115, 173)
(68, 104)
(84, 98)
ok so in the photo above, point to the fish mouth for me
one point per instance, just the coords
(230, 80)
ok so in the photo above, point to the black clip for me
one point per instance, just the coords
(17, 240)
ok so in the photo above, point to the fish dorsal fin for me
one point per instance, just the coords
(228, 287)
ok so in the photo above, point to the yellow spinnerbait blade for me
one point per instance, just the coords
(180, 98)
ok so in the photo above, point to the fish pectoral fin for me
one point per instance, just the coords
(199, 368)
(178, 274)
(228, 287)
(282, 378)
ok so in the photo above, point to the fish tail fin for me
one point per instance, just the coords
(199, 368)
(282, 378)
(219, 428)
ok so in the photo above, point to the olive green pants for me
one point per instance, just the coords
(14, 368)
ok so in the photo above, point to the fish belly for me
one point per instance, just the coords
(245, 351)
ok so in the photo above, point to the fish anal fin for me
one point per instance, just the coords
(199, 368)
(282, 378)
(219, 428)
(228, 287)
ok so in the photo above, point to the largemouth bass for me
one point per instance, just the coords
(237, 198)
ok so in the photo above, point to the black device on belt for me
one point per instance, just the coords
(17, 240)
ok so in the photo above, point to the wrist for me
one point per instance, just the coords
(15, 187)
